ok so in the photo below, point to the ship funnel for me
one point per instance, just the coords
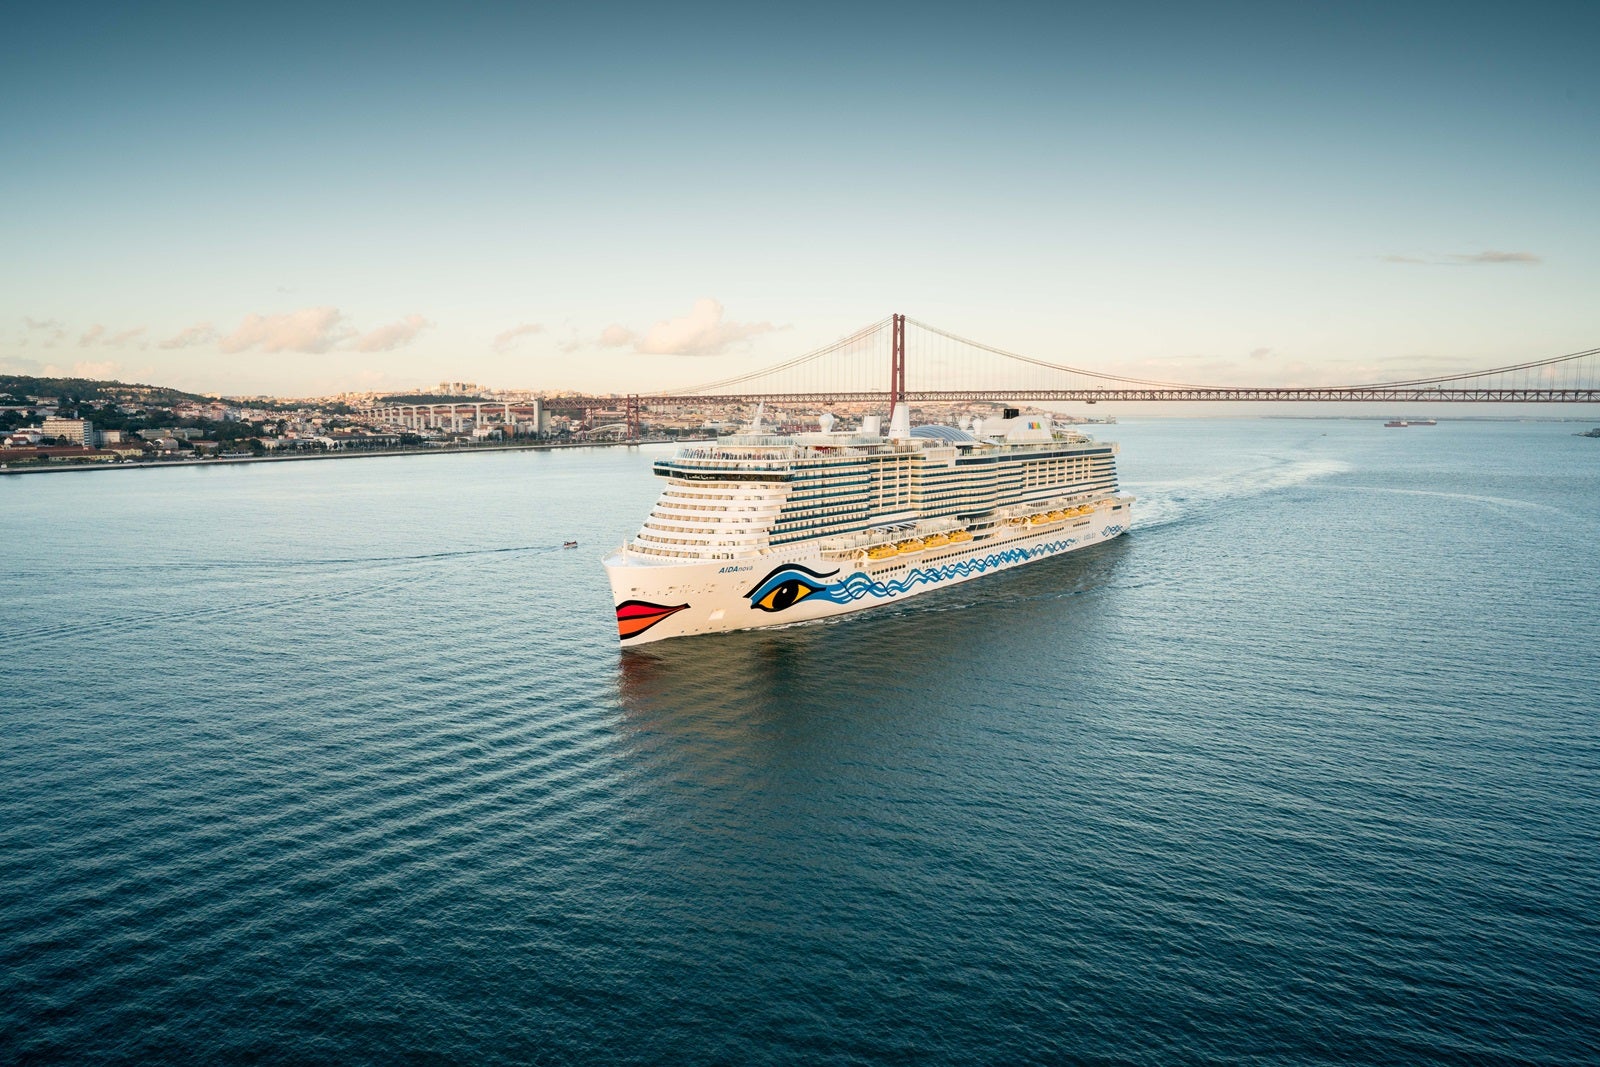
(755, 423)
(900, 423)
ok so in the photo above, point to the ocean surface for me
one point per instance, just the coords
(339, 762)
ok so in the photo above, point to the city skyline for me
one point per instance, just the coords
(628, 198)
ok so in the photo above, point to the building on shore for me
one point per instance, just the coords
(78, 430)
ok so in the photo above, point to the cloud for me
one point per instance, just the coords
(315, 329)
(1491, 256)
(1260, 353)
(702, 332)
(102, 370)
(198, 334)
(55, 330)
(1456, 259)
(393, 336)
(615, 336)
(96, 335)
(17, 365)
(504, 342)
(699, 333)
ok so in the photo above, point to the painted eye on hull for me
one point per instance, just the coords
(786, 594)
(787, 586)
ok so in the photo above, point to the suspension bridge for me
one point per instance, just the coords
(900, 360)
(923, 363)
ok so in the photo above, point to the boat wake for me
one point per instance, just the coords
(1508, 504)
(454, 554)
(275, 566)
(1166, 502)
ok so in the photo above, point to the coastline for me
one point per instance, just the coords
(217, 461)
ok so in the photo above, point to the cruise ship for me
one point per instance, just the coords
(762, 529)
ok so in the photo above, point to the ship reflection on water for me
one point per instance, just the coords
(835, 765)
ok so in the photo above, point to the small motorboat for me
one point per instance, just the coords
(569, 544)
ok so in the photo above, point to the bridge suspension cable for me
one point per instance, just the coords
(857, 340)
(1569, 358)
(1097, 375)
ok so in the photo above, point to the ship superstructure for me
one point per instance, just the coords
(761, 529)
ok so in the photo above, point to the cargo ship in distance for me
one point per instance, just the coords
(763, 529)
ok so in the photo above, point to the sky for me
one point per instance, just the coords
(308, 199)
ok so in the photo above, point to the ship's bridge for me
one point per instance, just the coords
(748, 458)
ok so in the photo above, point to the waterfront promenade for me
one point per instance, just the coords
(217, 461)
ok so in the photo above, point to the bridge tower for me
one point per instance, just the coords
(632, 415)
(897, 367)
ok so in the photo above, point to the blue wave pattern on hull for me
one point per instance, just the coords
(859, 585)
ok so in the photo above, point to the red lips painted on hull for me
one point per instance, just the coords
(634, 617)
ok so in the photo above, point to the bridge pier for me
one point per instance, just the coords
(897, 366)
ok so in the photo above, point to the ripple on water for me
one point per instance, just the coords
(1302, 770)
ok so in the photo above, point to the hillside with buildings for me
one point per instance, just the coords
(62, 421)
(74, 421)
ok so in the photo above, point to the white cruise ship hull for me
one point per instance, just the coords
(658, 599)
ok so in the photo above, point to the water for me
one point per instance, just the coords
(339, 761)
